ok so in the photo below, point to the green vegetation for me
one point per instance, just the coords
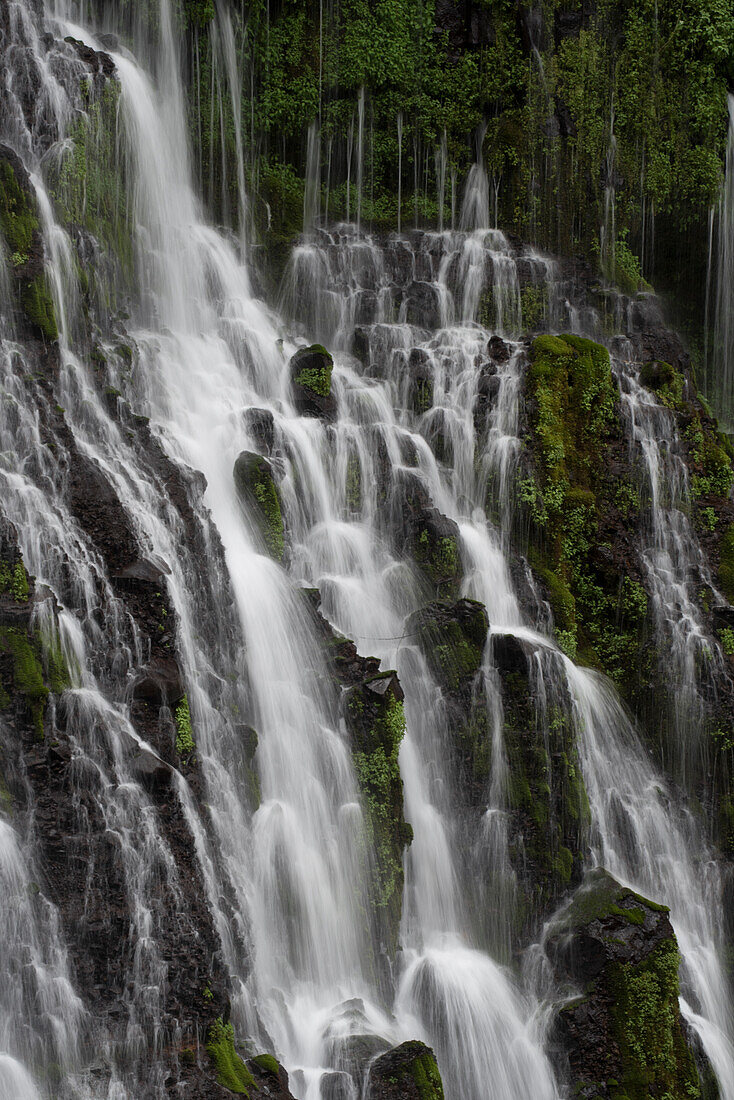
(267, 1063)
(315, 374)
(20, 227)
(231, 1071)
(256, 486)
(726, 564)
(88, 182)
(185, 744)
(571, 498)
(646, 1020)
(378, 774)
(440, 560)
(14, 580)
(27, 674)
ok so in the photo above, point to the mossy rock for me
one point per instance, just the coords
(253, 478)
(310, 370)
(726, 564)
(434, 544)
(625, 1036)
(546, 798)
(21, 229)
(452, 637)
(375, 719)
(231, 1072)
(407, 1072)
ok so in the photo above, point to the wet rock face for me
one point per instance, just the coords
(547, 804)
(623, 1036)
(310, 370)
(407, 1072)
(20, 229)
(255, 484)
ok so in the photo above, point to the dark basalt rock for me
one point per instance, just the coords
(261, 426)
(95, 59)
(452, 637)
(270, 1078)
(407, 1072)
(160, 682)
(498, 349)
(310, 370)
(255, 484)
(624, 1035)
(20, 228)
(421, 381)
(421, 303)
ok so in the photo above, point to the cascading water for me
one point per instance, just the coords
(286, 883)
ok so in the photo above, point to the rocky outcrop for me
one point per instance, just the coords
(256, 487)
(547, 804)
(407, 1072)
(581, 505)
(20, 233)
(372, 705)
(310, 370)
(623, 1035)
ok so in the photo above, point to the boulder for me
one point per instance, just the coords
(255, 484)
(623, 1035)
(407, 1072)
(260, 424)
(310, 370)
(452, 637)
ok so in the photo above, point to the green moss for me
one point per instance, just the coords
(231, 1071)
(378, 774)
(14, 580)
(28, 678)
(726, 636)
(316, 378)
(424, 1072)
(255, 483)
(655, 1057)
(267, 1063)
(18, 218)
(726, 564)
(89, 183)
(533, 302)
(185, 744)
(713, 474)
(38, 306)
(440, 559)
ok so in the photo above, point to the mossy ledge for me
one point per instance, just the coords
(231, 1071)
(20, 228)
(407, 1072)
(624, 1038)
(581, 510)
(255, 484)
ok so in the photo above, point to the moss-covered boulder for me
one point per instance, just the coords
(255, 484)
(407, 1072)
(376, 722)
(434, 544)
(623, 1037)
(310, 370)
(20, 229)
(546, 799)
(452, 637)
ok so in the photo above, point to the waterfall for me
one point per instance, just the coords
(285, 873)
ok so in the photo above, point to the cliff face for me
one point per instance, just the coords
(233, 829)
